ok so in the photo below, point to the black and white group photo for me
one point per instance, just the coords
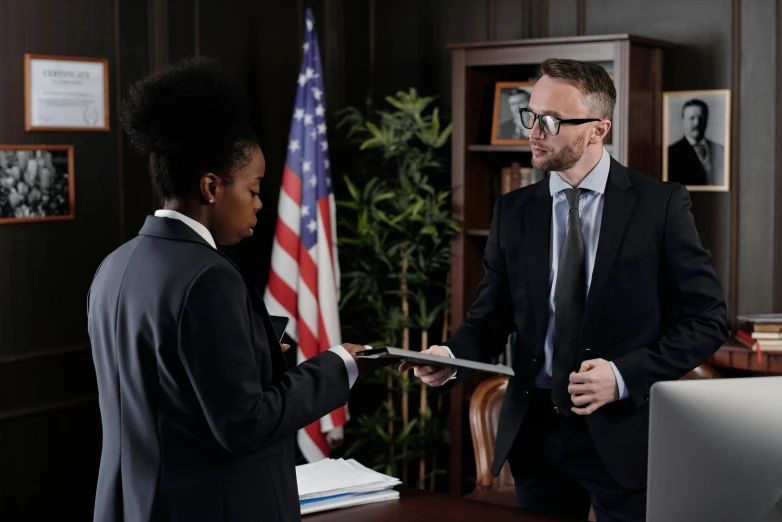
(36, 183)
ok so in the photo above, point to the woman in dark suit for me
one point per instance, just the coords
(199, 409)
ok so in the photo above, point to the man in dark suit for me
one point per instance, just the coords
(600, 270)
(694, 160)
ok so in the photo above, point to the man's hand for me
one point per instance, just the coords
(365, 366)
(593, 386)
(428, 374)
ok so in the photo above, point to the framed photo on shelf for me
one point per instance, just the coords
(506, 127)
(696, 139)
(36, 183)
(63, 93)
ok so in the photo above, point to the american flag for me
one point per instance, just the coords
(304, 278)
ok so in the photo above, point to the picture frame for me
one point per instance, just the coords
(509, 97)
(696, 139)
(36, 183)
(66, 93)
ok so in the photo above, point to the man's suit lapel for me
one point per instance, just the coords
(617, 207)
(537, 227)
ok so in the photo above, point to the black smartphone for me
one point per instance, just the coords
(279, 323)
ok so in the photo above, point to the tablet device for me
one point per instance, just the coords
(399, 355)
(279, 323)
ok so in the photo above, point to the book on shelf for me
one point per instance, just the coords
(516, 176)
(753, 343)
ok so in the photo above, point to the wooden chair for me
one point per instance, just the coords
(485, 406)
(704, 371)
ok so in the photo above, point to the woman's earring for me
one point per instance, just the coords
(211, 201)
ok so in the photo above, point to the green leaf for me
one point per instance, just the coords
(371, 144)
(430, 230)
(383, 434)
(374, 130)
(394, 102)
(347, 204)
(436, 120)
(352, 189)
(383, 197)
(443, 138)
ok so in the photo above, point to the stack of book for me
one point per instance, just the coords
(516, 176)
(338, 483)
(762, 332)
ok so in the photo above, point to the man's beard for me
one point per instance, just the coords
(564, 159)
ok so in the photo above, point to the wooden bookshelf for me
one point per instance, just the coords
(636, 140)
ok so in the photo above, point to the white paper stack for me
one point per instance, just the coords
(337, 483)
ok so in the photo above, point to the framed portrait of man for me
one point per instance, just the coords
(696, 139)
(506, 128)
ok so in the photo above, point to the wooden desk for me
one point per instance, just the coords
(421, 506)
(734, 356)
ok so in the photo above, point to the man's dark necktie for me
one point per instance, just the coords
(569, 301)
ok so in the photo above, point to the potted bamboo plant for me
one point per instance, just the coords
(394, 230)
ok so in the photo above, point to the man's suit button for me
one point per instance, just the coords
(535, 358)
(646, 396)
(526, 393)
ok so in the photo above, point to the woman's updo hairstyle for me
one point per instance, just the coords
(189, 118)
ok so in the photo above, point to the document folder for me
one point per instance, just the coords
(397, 354)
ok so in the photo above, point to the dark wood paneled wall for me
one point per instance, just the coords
(756, 141)
(49, 424)
(777, 217)
(46, 267)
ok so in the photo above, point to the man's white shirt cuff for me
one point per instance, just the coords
(452, 357)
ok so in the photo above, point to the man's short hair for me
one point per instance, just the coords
(695, 102)
(592, 80)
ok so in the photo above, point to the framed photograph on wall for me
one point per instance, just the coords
(506, 127)
(64, 93)
(696, 139)
(36, 183)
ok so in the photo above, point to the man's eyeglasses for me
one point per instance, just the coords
(548, 124)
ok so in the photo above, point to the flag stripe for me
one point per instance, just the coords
(308, 344)
(288, 212)
(291, 185)
(312, 443)
(285, 266)
(282, 293)
(324, 213)
(327, 294)
(288, 240)
(308, 271)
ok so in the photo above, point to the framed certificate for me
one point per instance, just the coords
(65, 93)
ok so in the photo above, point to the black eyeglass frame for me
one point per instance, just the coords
(560, 121)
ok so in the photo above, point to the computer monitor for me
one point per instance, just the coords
(715, 450)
